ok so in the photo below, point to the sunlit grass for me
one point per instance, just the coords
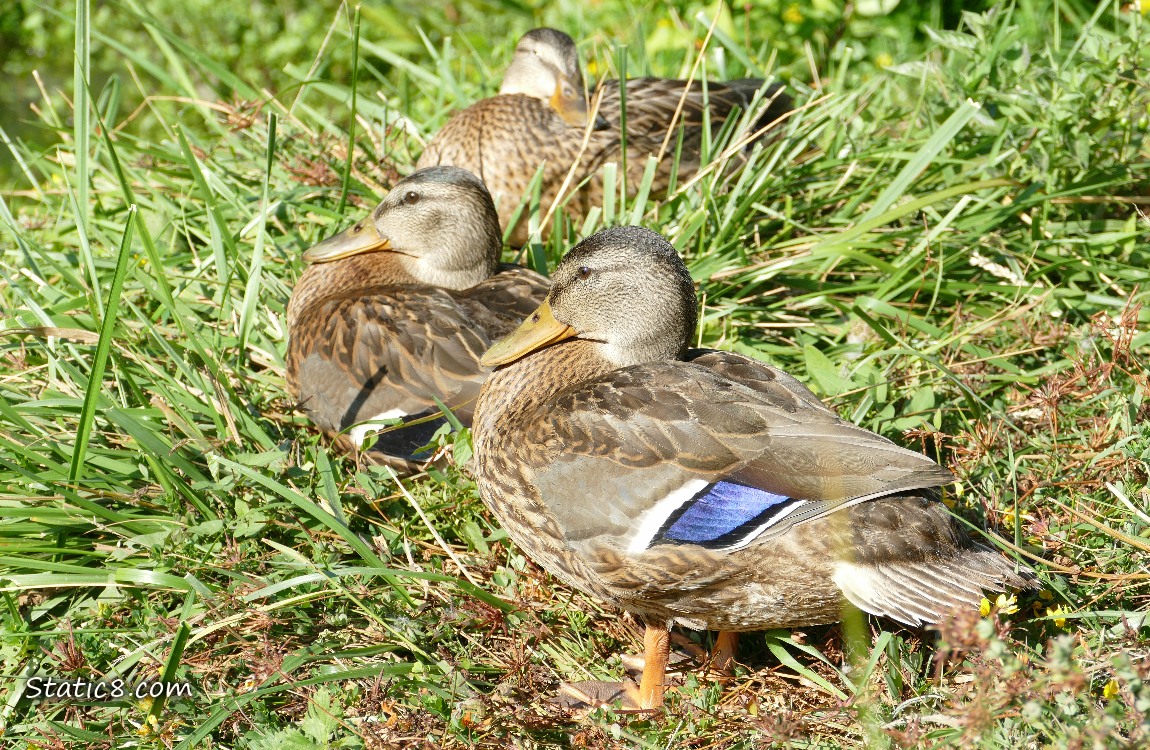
(953, 252)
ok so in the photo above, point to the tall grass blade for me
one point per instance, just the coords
(100, 360)
(352, 114)
(248, 308)
(82, 107)
(922, 159)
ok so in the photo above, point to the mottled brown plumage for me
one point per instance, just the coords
(630, 467)
(397, 310)
(540, 119)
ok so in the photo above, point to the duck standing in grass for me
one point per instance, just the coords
(395, 312)
(700, 486)
(541, 120)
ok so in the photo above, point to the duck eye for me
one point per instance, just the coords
(410, 198)
(584, 272)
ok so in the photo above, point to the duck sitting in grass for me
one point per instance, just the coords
(541, 120)
(698, 486)
(395, 312)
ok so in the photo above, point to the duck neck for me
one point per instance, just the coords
(517, 390)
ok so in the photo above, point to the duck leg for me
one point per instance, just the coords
(648, 694)
(726, 646)
(718, 658)
(656, 652)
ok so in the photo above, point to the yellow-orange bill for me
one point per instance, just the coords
(539, 330)
(361, 238)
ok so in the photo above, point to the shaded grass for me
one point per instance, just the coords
(952, 252)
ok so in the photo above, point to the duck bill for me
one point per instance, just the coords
(358, 239)
(573, 110)
(539, 330)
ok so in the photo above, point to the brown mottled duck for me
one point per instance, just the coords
(395, 312)
(541, 119)
(702, 487)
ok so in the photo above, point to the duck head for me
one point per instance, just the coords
(546, 67)
(626, 289)
(439, 225)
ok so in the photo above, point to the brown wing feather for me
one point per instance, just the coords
(648, 430)
(499, 304)
(357, 356)
(651, 104)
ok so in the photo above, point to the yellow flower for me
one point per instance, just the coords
(984, 607)
(1045, 595)
(1007, 605)
(150, 725)
(1056, 613)
(883, 60)
(1110, 692)
(793, 14)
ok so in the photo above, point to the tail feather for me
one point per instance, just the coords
(654, 103)
(922, 593)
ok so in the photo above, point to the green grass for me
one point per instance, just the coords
(953, 250)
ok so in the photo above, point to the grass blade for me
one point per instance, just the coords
(100, 361)
(81, 124)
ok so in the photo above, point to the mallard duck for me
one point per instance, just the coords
(699, 486)
(396, 311)
(541, 120)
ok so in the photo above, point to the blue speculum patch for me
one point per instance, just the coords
(722, 514)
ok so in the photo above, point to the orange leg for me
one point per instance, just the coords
(726, 646)
(656, 651)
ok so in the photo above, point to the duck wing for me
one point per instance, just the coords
(651, 104)
(718, 451)
(383, 354)
(499, 304)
